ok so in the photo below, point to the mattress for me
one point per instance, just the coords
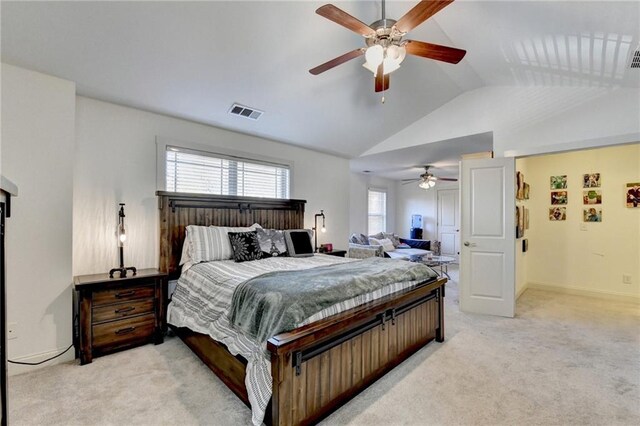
(202, 300)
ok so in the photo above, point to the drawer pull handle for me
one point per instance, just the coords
(123, 310)
(125, 294)
(125, 331)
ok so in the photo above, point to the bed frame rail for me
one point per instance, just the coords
(320, 369)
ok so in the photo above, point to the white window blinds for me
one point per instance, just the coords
(377, 211)
(209, 173)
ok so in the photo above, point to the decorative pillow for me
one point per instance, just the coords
(386, 243)
(207, 243)
(393, 237)
(299, 242)
(245, 246)
(272, 242)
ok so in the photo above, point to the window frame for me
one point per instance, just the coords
(214, 151)
(386, 209)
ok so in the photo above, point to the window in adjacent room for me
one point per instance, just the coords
(377, 211)
(211, 173)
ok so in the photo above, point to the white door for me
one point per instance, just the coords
(449, 222)
(487, 263)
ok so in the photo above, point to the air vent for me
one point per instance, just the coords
(635, 60)
(246, 112)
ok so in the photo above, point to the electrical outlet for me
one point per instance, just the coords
(626, 278)
(12, 330)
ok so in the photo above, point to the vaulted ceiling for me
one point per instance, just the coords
(194, 59)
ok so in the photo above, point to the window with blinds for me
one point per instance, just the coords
(210, 173)
(377, 211)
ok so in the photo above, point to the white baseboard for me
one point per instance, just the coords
(588, 292)
(14, 369)
(521, 291)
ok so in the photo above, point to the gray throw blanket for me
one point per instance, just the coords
(277, 301)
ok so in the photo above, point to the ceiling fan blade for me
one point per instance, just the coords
(336, 61)
(382, 80)
(411, 181)
(435, 51)
(420, 13)
(448, 179)
(341, 17)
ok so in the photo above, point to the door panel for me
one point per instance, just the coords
(487, 264)
(449, 222)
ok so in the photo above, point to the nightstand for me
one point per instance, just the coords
(339, 253)
(119, 313)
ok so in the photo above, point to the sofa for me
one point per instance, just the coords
(360, 246)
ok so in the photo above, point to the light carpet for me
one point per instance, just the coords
(564, 360)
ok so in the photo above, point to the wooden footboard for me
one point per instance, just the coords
(319, 367)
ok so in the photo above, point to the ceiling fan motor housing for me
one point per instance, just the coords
(385, 33)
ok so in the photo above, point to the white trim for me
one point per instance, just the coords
(574, 146)
(14, 369)
(587, 292)
(521, 291)
(161, 148)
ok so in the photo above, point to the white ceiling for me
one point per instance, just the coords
(194, 59)
(409, 162)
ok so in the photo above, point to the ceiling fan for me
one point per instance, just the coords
(427, 180)
(386, 48)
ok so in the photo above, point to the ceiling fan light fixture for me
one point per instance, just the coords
(427, 184)
(374, 55)
(391, 57)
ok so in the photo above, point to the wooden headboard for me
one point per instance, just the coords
(177, 210)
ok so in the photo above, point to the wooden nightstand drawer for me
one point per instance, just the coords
(122, 310)
(123, 332)
(105, 297)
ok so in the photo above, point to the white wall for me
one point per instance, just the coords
(38, 113)
(413, 200)
(573, 255)
(115, 161)
(358, 202)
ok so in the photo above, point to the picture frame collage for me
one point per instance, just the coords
(591, 197)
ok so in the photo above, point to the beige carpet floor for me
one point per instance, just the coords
(564, 360)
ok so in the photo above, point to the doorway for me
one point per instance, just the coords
(448, 222)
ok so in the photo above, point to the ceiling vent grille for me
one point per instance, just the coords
(635, 59)
(246, 112)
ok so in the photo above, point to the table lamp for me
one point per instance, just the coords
(122, 237)
(315, 229)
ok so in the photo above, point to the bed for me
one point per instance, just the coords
(318, 366)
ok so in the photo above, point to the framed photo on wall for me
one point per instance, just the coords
(559, 182)
(633, 195)
(592, 196)
(591, 180)
(592, 214)
(559, 197)
(557, 213)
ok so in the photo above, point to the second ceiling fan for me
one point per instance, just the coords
(427, 179)
(386, 48)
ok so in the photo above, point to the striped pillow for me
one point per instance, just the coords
(207, 243)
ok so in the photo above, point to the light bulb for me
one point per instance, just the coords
(123, 238)
(323, 229)
(393, 52)
(374, 55)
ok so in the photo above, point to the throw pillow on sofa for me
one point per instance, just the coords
(386, 243)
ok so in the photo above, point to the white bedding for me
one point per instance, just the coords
(203, 296)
